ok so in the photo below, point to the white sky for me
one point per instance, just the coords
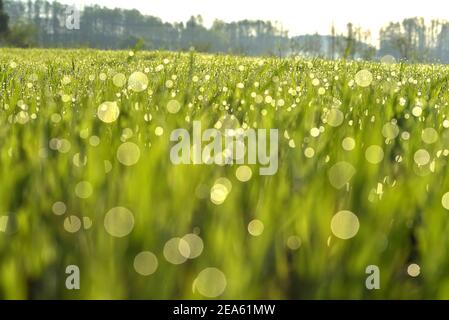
(298, 16)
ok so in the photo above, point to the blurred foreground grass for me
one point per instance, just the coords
(374, 143)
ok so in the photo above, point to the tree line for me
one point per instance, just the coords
(106, 28)
(44, 24)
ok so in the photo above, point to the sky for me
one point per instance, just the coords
(297, 16)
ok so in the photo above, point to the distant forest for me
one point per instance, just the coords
(43, 24)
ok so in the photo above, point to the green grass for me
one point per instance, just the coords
(405, 224)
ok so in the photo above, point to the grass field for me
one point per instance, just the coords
(86, 178)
